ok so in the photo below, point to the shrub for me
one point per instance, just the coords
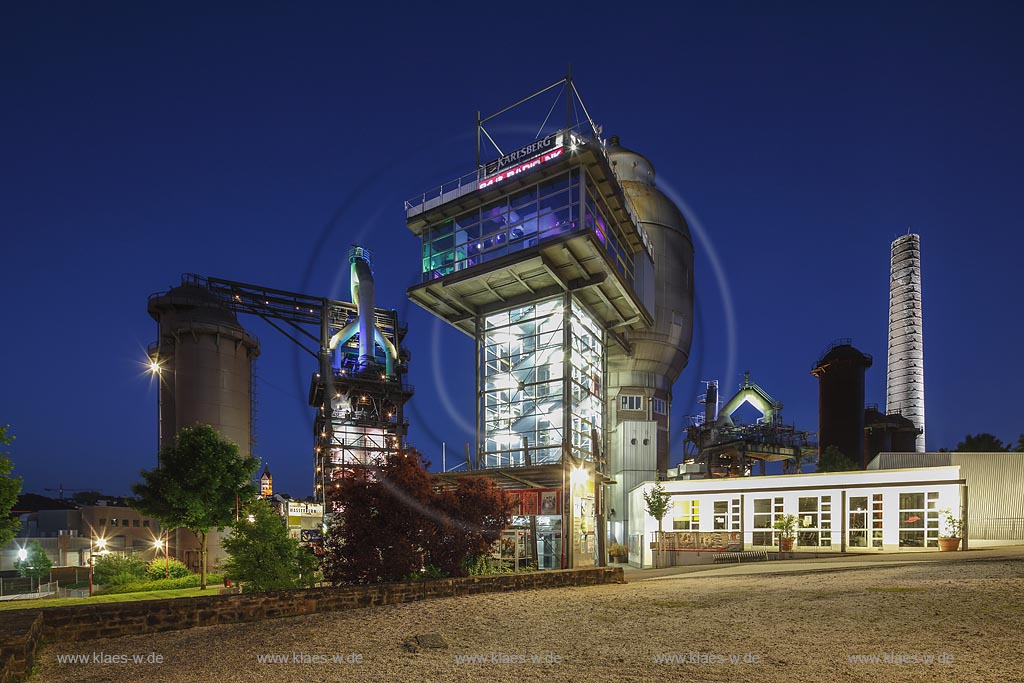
(263, 557)
(190, 581)
(117, 569)
(158, 568)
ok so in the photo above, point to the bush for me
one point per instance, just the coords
(117, 569)
(263, 557)
(190, 581)
(157, 569)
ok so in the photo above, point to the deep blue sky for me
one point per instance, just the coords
(257, 141)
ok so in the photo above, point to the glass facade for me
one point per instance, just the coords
(919, 520)
(766, 511)
(531, 402)
(523, 219)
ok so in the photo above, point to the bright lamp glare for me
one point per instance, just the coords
(158, 543)
(22, 554)
(578, 476)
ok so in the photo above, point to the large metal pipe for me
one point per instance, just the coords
(363, 298)
(361, 289)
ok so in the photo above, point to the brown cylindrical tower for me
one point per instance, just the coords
(205, 359)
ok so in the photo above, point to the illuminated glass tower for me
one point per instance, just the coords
(539, 256)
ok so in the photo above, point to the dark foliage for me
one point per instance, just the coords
(394, 521)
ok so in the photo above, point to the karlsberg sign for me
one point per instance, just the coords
(523, 159)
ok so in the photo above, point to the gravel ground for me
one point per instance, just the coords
(968, 616)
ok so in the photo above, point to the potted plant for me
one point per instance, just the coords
(786, 525)
(954, 529)
(618, 552)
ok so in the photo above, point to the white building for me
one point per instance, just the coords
(860, 511)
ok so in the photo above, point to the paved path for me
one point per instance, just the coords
(931, 619)
(827, 564)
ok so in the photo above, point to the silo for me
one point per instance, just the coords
(205, 359)
(840, 372)
(640, 384)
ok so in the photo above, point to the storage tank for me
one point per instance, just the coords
(205, 359)
(840, 372)
(659, 354)
(887, 434)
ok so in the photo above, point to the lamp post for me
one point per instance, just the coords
(101, 543)
(161, 543)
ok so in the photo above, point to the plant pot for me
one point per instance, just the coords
(786, 544)
(949, 544)
(618, 559)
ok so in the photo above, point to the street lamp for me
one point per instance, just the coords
(160, 543)
(101, 543)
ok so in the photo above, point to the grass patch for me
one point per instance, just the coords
(114, 597)
(896, 589)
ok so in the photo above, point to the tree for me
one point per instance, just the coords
(393, 521)
(36, 564)
(1019, 448)
(472, 517)
(982, 443)
(87, 497)
(199, 482)
(263, 557)
(10, 487)
(657, 502)
(834, 460)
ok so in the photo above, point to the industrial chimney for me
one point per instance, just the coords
(905, 380)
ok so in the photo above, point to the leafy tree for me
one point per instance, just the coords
(1019, 448)
(36, 564)
(87, 497)
(113, 569)
(200, 479)
(472, 517)
(393, 521)
(10, 487)
(981, 443)
(161, 567)
(657, 503)
(834, 460)
(263, 556)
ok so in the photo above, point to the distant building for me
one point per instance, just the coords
(266, 483)
(299, 515)
(67, 533)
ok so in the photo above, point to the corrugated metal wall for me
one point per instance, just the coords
(995, 488)
(995, 484)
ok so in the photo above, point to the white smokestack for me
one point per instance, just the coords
(905, 380)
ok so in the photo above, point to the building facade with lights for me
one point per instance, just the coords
(540, 256)
(848, 512)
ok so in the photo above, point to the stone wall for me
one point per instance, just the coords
(20, 633)
(110, 620)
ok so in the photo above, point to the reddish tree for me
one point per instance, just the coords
(472, 518)
(393, 521)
